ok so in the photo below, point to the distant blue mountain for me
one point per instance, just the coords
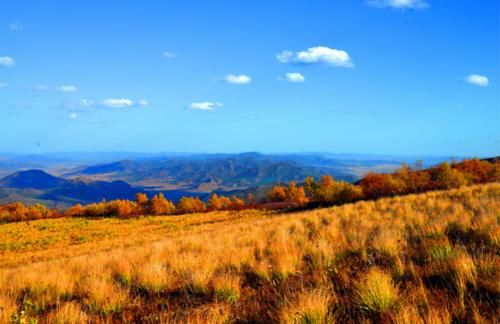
(37, 185)
(213, 172)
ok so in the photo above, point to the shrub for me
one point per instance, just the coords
(445, 177)
(189, 205)
(159, 205)
(277, 194)
(377, 185)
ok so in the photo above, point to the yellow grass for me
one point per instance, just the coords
(424, 258)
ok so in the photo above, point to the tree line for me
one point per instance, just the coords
(324, 191)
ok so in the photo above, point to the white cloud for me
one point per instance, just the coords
(205, 105)
(318, 54)
(66, 88)
(86, 103)
(41, 88)
(398, 4)
(7, 61)
(113, 103)
(169, 55)
(16, 26)
(73, 115)
(118, 103)
(476, 79)
(143, 103)
(295, 77)
(237, 79)
(3, 85)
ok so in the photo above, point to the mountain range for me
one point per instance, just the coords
(62, 179)
(38, 186)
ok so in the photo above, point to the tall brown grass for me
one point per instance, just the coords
(428, 258)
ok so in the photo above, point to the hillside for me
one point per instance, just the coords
(38, 186)
(430, 258)
(206, 173)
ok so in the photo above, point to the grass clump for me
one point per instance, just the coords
(226, 288)
(376, 292)
(311, 307)
(441, 253)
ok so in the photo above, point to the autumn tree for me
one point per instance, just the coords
(96, 209)
(159, 205)
(214, 202)
(412, 181)
(120, 208)
(250, 200)
(37, 211)
(190, 205)
(237, 203)
(476, 171)
(296, 194)
(142, 203)
(347, 193)
(376, 185)
(446, 177)
(277, 194)
(75, 211)
(311, 187)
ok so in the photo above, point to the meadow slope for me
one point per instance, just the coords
(432, 258)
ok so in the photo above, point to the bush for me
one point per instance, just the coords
(189, 205)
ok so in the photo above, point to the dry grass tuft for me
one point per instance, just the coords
(312, 307)
(68, 313)
(376, 292)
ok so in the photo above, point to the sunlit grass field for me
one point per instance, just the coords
(428, 258)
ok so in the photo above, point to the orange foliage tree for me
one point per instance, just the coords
(159, 205)
(237, 203)
(446, 177)
(189, 205)
(277, 194)
(218, 203)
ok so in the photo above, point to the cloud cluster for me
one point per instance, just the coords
(66, 88)
(398, 4)
(3, 85)
(237, 79)
(318, 54)
(123, 103)
(205, 105)
(478, 80)
(295, 77)
(117, 103)
(7, 61)
(111, 103)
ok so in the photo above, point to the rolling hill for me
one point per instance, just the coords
(38, 186)
(427, 258)
(217, 172)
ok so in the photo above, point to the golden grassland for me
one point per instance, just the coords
(428, 258)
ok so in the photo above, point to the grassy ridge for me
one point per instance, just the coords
(432, 258)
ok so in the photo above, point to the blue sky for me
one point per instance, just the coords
(382, 76)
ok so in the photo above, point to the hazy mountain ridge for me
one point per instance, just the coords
(69, 178)
(39, 186)
(212, 173)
